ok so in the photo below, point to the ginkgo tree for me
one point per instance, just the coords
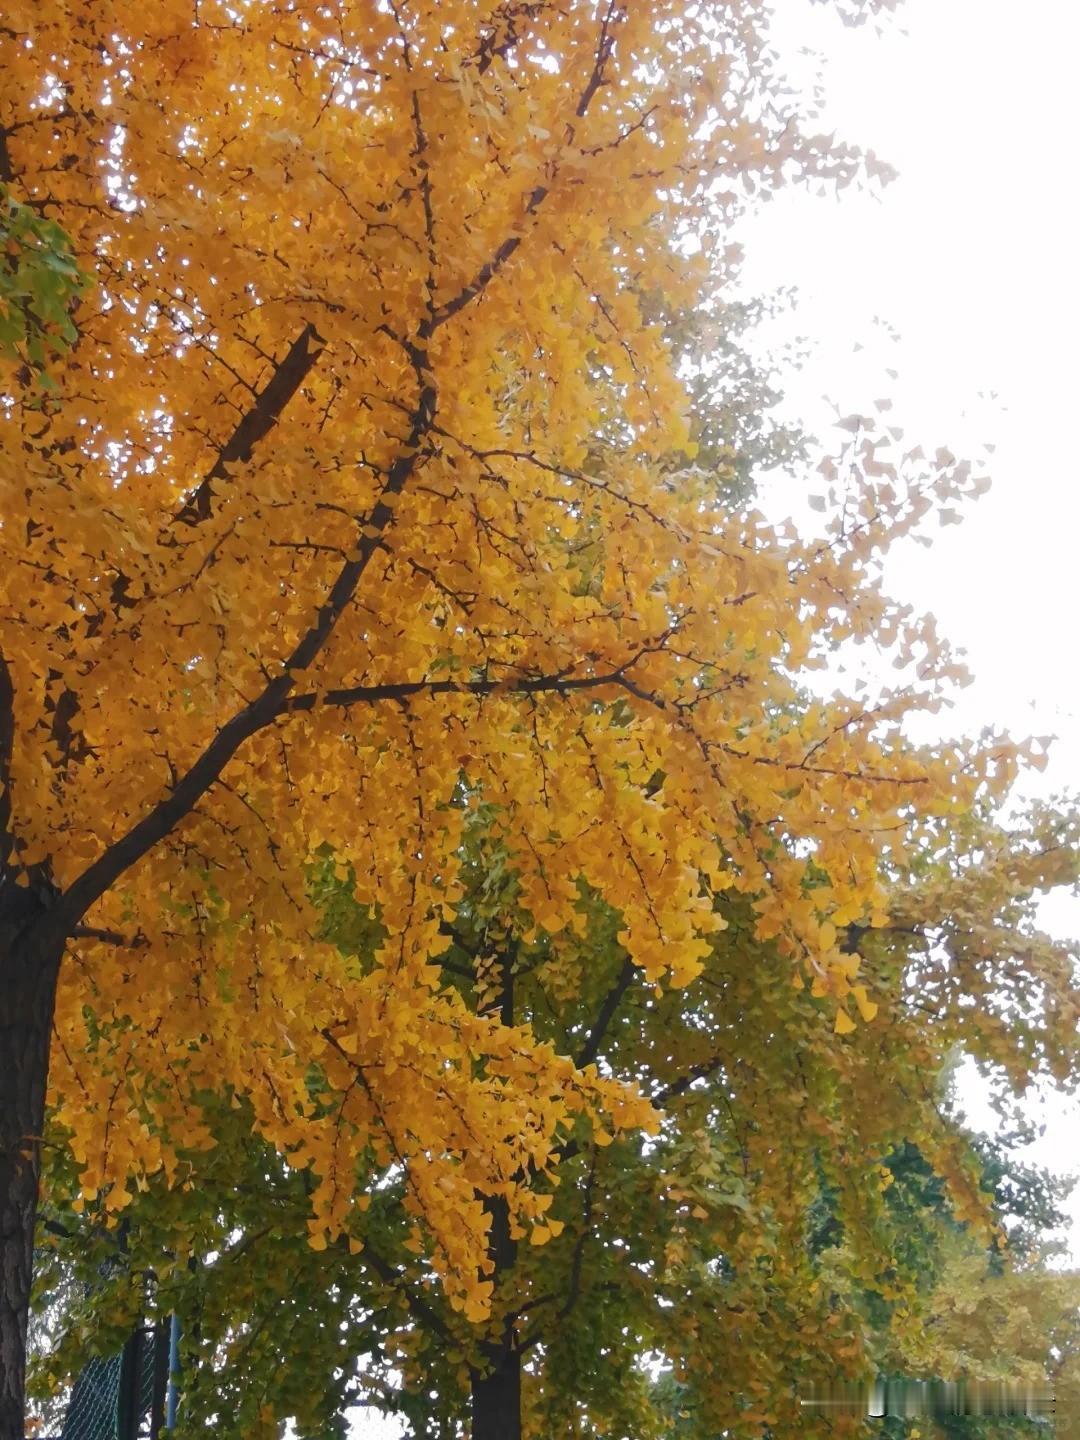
(782, 1227)
(291, 553)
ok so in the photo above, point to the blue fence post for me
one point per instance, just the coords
(172, 1397)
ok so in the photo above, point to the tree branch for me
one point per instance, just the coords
(487, 272)
(110, 937)
(683, 1083)
(99, 876)
(574, 1289)
(255, 424)
(390, 1275)
(573, 1292)
(7, 170)
(407, 689)
(605, 45)
(7, 752)
(274, 701)
(589, 1051)
(461, 970)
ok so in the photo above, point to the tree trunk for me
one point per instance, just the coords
(496, 1392)
(28, 975)
(496, 1400)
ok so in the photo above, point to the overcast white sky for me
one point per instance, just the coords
(972, 258)
(962, 275)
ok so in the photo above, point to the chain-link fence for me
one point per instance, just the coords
(122, 1398)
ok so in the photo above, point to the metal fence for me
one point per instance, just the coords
(123, 1397)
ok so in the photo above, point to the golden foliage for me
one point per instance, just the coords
(292, 558)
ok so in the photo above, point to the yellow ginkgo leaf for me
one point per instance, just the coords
(844, 1023)
(867, 1007)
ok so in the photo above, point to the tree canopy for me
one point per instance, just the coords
(785, 1223)
(365, 506)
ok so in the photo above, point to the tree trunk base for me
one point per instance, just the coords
(27, 994)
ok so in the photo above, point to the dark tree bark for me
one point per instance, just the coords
(28, 972)
(496, 1399)
(496, 1390)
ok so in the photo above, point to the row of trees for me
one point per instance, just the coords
(444, 937)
